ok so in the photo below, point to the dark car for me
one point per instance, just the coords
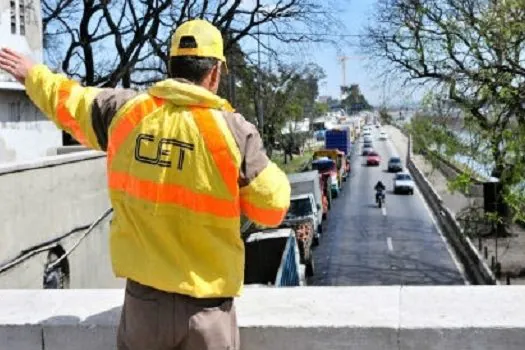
(367, 150)
(395, 165)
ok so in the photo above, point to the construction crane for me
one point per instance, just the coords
(342, 60)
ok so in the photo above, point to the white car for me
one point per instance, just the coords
(367, 138)
(403, 183)
(383, 135)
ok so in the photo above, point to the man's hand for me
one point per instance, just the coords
(15, 64)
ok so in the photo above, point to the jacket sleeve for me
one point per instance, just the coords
(264, 188)
(84, 112)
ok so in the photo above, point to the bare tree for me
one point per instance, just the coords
(126, 42)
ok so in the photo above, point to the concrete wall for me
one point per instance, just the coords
(25, 133)
(48, 198)
(451, 172)
(330, 318)
(29, 43)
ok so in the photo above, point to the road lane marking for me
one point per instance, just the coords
(389, 244)
(459, 266)
(448, 246)
(383, 210)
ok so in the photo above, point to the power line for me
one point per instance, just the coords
(316, 34)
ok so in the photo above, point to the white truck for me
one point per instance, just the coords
(306, 199)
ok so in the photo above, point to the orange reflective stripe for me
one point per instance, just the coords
(128, 122)
(172, 194)
(218, 148)
(269, 217)
(64, 116)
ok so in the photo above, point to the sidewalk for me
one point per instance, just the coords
(511, 250)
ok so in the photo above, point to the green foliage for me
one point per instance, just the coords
(385, 117)
(320, 109)
(287, 95)
(355, 100)
(472, 51)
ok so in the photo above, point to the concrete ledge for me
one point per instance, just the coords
(364, 318)
(50, 161)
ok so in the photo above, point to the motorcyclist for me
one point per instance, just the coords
(380, 188)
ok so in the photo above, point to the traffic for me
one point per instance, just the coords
(356, 151)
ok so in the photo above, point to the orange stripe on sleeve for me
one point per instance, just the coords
(266, 217)
(217, 146)
(172, 194)
(64, 116)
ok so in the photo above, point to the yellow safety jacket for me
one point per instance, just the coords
(181, 167)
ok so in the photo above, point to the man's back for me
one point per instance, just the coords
(174, 186)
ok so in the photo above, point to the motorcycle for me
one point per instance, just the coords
(380, 198)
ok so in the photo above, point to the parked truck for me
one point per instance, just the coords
(272, 258)
(304, 229)
(307, 198)
(340, 161)
(340, 139)
(327, 171)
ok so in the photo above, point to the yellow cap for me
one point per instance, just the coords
(197, 38)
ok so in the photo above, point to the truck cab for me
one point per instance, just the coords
(328, 170)
(304, 206)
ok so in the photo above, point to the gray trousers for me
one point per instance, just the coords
(156, 320)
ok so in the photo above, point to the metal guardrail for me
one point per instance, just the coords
(288, 274)
(476, 269)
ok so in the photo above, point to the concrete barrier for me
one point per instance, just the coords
(451, 172)
(46, 199)
(476, 269)
(330, 318)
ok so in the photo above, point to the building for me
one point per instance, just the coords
(25, 133)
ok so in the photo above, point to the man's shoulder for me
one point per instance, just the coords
(238, 124)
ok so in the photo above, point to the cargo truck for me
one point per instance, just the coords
(307, 198)
(327, 171)
(340, 139)
(341, 163)
(272, 258)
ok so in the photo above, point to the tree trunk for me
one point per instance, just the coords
(498, 172)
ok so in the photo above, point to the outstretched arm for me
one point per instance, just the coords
(83, 112)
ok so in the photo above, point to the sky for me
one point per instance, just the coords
(354, 15)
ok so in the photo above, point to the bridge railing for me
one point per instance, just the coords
(328, 318)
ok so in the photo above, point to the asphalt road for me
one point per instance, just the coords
(365, 245)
